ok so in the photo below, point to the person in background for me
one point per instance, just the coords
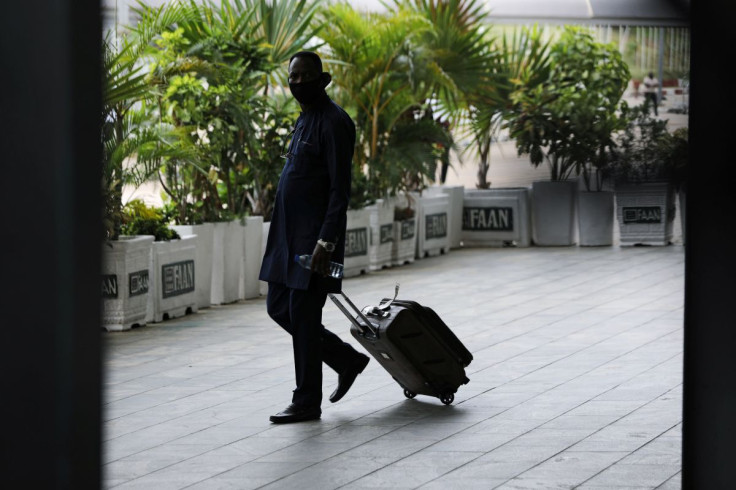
(310, 217)
(651, 87)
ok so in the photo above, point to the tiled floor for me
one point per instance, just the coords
(576, 383)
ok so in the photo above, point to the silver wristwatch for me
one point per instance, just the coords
(329, 246)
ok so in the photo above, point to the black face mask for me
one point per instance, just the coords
(308, 93)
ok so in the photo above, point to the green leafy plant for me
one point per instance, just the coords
(140, 219)
(134, 144)
(211, 73)
(569, 119)
(647, 151)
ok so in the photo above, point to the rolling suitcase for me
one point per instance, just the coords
(413, 344)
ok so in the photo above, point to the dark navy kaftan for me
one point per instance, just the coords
(312, 196)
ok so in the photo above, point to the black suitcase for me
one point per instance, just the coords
(413, 344)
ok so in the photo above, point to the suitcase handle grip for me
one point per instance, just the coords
(369, 327)
(385, 306)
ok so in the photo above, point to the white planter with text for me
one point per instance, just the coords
(126, 276)
(356, 242)
(381, 234)
(174, 273)
(496, 217)
(205, 243)
(432, 220)
(252, 257)
(456, 195)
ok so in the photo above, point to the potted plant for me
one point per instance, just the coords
(173, 261)
(383, 82)
(133, 148)
(564, 121)
(493, 216)
(599, 114)
(643, 167)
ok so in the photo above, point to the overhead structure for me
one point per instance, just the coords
(655, 13)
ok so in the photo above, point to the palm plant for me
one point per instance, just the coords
(211, 73)
(134, 145)
(133, 148)
(519, 60)
(285, 27)
(461, 57)
(381, 69)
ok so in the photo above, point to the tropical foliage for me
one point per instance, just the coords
(210, 72)
(570, 118)
(381, 69)
(141, 219)
(647, 151)
(133, 145)
(195, 96)
(520, 60)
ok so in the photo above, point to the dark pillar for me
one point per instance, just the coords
(49, 313)
(709, 410)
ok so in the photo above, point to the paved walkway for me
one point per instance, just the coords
(576, 383)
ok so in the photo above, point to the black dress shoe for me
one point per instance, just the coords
(296, 413)
(346, 378)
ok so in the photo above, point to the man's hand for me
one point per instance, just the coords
(321, 261)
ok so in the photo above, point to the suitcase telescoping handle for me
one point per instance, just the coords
(368, 327)
(385, 306)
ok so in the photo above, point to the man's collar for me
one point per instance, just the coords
(322, 101)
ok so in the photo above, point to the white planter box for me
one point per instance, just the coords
(232, 261)
(595, 218)
(252, 256)
(381, 234)
(456, 194)
(174, 273)
(645, 213)
(205, 250)
(432, 224)
(356, 242)
(264, 238)
(126, 275)
(404, 246)
(227, 257)
(554, 222)
(218, 262)
(496, 217)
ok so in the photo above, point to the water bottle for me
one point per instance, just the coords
(306, 261)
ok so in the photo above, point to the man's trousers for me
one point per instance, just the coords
(299, 312)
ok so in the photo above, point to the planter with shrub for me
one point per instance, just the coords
(647, 165)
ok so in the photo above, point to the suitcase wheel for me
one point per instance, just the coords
(409, 394)
(447, 398)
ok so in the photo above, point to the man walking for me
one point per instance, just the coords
(310, 217)
(651, 87)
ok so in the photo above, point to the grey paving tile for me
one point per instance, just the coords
(453, 480)
(151, 460)
(564, 470)
(414, 471)
(652, 475)
(577, 362)
(660, 451)
(339, 472)
(674, 483)
(482, 471)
